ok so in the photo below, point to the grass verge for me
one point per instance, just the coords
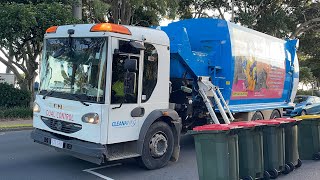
(15, 126)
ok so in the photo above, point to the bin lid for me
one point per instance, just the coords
(214, 127)
(308, 117)
(286, 119)
(246, 123)
(269, 122)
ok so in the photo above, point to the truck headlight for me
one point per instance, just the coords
(36, 108)
(92, 118)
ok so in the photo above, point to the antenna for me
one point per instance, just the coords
(119, 11)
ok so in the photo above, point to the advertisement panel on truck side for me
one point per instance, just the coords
(259, 65)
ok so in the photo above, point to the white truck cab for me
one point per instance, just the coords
(104, 94)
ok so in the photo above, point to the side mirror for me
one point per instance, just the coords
(132, 47)
(131, 65)
(309, 103)
(130, 83)
(137, 45)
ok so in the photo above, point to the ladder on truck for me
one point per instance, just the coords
(206, 90)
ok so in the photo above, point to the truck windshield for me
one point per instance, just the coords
(74, 68)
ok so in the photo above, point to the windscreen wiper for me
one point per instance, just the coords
(49, 92)
(78, 99)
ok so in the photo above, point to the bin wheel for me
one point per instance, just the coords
(274, 173)
(299, 163)
(157, 147)
(316, 156)
(248, 178)
(291, 165)
(266, 175)
(287, 169)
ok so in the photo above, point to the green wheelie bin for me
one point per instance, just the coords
(309, 137)
(274, 147)
(251, 150)
(217, 151)
(291, 142)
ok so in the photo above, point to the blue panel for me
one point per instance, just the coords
(202, 47)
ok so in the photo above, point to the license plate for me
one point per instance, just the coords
(57, 143)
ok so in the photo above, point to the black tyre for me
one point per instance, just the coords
(274, 174)
(291, 165)
(316, 156)
(157, 146)
(275, 114)
(266, 175)
(248, 178)
(287, 169)
(303, 112)
(257, 116)
(299, 163)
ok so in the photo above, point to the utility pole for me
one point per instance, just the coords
(77, 9)
(119, 11)
(232, 10)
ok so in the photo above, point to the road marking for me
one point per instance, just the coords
(91, 171)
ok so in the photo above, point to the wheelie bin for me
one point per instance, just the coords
(274, 147)
(251, 150)
(292, 158)
(309, 137)
(217, 151)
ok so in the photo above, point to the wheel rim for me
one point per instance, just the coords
(274, 173)
(303, 113)
(158, 144)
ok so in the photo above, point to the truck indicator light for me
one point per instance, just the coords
(52, 29)
(108, 27)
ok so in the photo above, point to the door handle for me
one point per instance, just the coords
(138, 112)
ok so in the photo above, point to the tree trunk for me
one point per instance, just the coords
(77, 9)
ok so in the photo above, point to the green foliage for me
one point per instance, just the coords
(200, 8)
(308, 92)
(306, 75)
(142, 11)
(95, 10)
(16, 112)
(22, 31)
(12, 97)
(145, 17)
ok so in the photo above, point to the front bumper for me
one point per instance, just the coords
(88, 151)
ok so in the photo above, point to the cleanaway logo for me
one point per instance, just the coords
(122, 124)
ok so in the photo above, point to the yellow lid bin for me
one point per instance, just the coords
(309, 137)
(307, 117)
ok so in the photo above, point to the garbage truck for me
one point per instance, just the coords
(110, 91)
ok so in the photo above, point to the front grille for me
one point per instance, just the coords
(61, 126)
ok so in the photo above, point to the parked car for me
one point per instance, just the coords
(304, 105)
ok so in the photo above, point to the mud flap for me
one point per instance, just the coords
(177, 133)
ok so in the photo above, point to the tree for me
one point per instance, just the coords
(310, 53)
(22, 30)
(200, 8)
(137, 11)
(306, 77)
(280, 18)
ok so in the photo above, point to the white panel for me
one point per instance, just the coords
(71, 111)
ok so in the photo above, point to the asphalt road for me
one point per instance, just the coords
(21, 158)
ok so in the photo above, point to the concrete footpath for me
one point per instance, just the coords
(15, 124)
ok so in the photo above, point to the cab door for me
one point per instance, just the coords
(125, 111)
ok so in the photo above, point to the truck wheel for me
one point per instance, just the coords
(257, 116)
(157, 146)
(275, 114)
